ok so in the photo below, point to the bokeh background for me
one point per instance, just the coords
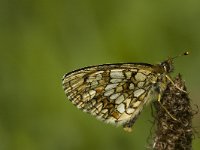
(41, 40)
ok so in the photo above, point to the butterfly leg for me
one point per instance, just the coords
(159, 98)
(175, 84)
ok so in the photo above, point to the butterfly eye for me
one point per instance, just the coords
(168, 65)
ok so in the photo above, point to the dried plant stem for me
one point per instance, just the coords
(171, 134)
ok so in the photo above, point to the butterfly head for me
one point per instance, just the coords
(167, 65)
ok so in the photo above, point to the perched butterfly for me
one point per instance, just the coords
(117, 93)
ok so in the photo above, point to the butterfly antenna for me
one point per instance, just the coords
(182, 54)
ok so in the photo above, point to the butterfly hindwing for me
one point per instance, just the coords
(113, 93)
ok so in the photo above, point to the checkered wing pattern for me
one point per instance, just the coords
(113, 93)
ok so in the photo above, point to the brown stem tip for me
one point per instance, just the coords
(173, 134)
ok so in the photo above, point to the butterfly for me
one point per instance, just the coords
(117, 93)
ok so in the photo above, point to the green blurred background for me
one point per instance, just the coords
(41, 40)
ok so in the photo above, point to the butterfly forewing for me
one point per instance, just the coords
(114, 93)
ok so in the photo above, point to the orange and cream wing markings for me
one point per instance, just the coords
(113, 93)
